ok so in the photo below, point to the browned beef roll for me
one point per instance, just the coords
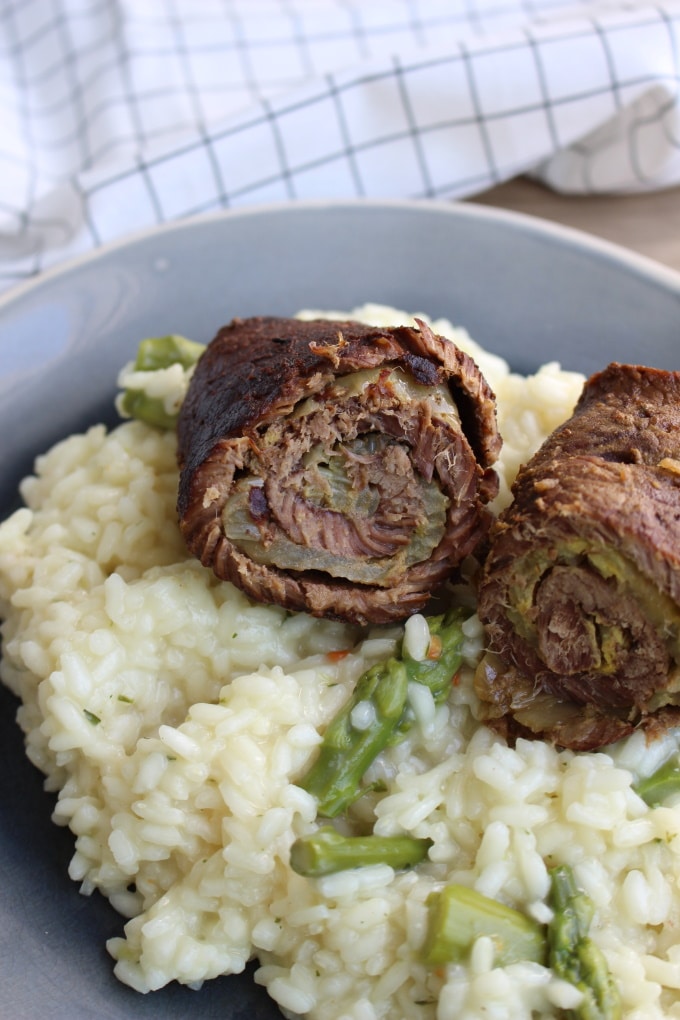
(333, 467)
(580, 593)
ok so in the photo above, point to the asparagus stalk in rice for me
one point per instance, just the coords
(444, 657)
(327, 851)
(458, 916)
(153, 355)
(347, 750)
(162, 351)
(572, 953)
(381, 692)
(661, 784)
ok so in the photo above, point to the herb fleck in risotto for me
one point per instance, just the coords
(175, 718)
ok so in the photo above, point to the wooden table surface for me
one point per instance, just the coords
(646, 223)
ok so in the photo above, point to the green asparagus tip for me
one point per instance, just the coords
(327, 851)
(573, 955)
(458, 916)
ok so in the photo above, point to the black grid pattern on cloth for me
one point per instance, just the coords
(117, 117)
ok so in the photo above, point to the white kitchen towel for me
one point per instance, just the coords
(116, 115)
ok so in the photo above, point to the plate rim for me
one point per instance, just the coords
(530, 223)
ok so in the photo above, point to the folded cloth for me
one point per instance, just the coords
(118, 114)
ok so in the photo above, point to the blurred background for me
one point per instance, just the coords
(648, 224)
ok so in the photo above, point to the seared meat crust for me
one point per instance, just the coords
(580, 592)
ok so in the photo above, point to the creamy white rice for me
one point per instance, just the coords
(173, 717)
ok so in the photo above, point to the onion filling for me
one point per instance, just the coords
(347, 500)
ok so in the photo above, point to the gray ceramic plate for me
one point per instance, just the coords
(528, 290)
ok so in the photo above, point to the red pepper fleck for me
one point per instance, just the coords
(435, 649)
(341, 653)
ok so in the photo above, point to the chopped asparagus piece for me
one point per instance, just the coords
(573, 955)
(438, 669)
(153, 354)
(348, 750)
(161, 351)
(459, 915)
(327, 851)
(655, 789)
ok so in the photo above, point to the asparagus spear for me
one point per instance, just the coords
(348, 750)
(457, 916)
(153, 354)
(572, 953)
(326, 851)
(442, 663)
(661, 784)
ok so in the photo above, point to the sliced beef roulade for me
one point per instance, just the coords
(580, 593)
(333, 467)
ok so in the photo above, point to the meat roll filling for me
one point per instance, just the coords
(337, 492)
(355, 488)
(580, 592)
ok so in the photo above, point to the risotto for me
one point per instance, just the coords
(173, 718)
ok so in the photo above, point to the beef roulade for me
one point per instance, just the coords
(335, 468)
(580, 592)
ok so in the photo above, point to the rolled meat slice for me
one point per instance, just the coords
(333, 467)
(580, 591)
